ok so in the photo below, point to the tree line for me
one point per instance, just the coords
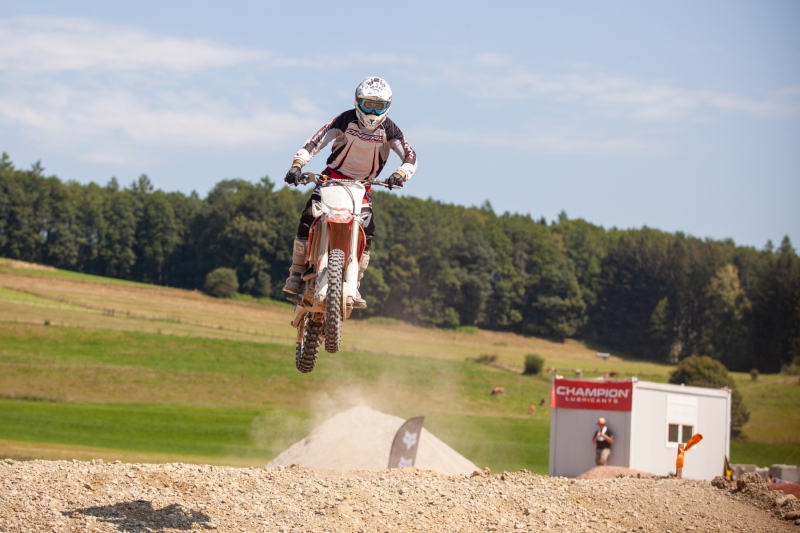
(643, 293)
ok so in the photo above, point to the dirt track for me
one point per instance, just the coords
(77, 496)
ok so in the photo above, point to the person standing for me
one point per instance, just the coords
(603, 439)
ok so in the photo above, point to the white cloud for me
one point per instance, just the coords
(110, 93)
(551, 142)
(37, 45)
(492, 60)
(781, 103)
(111, 125)
(40, 45)
(627, 97)
(67, 82)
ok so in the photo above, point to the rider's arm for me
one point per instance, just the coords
(398, 143)
(330, 131)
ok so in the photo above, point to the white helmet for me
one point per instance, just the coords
(373, 100)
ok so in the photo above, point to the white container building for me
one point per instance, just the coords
(647, 420)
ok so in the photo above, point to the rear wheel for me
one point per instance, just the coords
(308, 348)
(333, 313)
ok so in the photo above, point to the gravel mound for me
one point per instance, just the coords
(63, 496)
(608, 472)
(787, 488)
(361, 439)
(756, 489)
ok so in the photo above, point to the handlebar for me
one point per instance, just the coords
(319, 179)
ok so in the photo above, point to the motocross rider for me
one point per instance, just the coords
(362, 138)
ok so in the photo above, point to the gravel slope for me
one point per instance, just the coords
(79, 496)
(608, 472)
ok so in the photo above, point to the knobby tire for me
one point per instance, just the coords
(333, 314)
(307, 350)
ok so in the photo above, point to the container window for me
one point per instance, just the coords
(681, 418)
(677, 431)
(673, 432)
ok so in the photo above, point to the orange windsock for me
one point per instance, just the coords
(697, 437)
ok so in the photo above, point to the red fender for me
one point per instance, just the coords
(341, 241)
(339, 237)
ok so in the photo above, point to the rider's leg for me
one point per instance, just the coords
(294, 281)
(358, 301)
(369, 233)
(300, 247)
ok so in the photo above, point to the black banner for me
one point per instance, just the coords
(406, 442)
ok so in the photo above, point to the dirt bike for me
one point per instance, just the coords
(336, 242)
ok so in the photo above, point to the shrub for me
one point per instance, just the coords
(703, 371)
(533, 364)
(450, 319)
(260, 285)
(792, 369)
(754, 374)
(221, 282)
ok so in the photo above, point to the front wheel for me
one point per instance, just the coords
(333, 313)
(308, 348)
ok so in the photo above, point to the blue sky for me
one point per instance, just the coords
(682, 116)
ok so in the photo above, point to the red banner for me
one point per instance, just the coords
(598, 395)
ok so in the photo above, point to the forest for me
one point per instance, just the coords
(640, 293)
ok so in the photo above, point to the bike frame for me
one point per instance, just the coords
(337, 225)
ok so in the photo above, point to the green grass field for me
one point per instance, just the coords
(216, 382)
(764, 454)
(257, 435)
(168, 395)
(142, 428)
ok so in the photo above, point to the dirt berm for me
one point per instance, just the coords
(61, 496)
(360, 438)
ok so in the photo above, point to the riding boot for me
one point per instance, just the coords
(358, 301)
(294, 281)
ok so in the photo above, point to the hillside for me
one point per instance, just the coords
(33, 295)
(95, 367)
(644, 292)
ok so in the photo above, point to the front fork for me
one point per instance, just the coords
(321, 289)
(351, 270)
(350, 281)
(335, 236)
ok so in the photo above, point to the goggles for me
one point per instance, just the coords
(373, 107)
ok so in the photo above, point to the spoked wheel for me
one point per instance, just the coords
(333, 314)
(307, 350)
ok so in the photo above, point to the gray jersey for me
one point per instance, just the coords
(358, 153)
